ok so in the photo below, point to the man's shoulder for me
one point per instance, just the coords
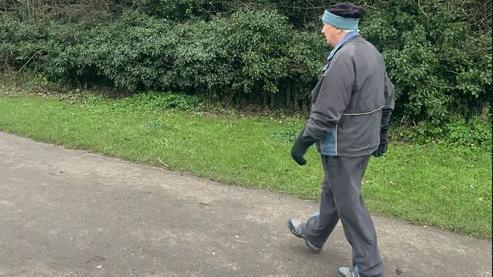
(359, 43)
(357, 48)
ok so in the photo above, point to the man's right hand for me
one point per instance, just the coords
(300, 147)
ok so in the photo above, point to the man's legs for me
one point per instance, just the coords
(344, 175)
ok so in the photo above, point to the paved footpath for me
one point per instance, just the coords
(73, 213)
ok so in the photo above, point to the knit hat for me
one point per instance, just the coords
(343, 16)
(340, 22)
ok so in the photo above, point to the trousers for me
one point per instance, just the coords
(341, 198)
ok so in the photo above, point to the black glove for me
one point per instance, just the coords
(382, 147)
(384, 127)
(299, 148)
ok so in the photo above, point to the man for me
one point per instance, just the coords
(350, 112)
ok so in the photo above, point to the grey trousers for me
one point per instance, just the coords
(341, 199)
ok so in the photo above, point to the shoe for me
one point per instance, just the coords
(345, 271)
(296, 227)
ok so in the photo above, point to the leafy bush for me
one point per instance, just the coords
(439, 61)
(268, 52)
(248, 55)
(179, 10)
(152, 100)
(133, 52)
(474, 133)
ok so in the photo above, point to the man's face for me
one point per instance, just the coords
(332, 34)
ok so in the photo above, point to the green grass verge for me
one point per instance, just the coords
(433, 184)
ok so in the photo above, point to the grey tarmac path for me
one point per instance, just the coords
(73, 213)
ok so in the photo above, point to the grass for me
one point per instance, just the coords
(434, 184)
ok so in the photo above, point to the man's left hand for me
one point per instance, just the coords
(382, 147)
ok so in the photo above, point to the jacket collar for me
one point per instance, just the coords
(343, 41)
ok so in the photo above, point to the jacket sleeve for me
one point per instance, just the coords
(389, 95)
(333, 97)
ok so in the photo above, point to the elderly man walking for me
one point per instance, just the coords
(350, 111)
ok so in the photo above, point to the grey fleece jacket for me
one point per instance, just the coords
(348, 100)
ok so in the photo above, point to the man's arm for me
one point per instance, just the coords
(389, 95)
(335, 92)
(332, 100)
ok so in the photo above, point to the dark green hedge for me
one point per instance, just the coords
(268, 52)
(249, 55)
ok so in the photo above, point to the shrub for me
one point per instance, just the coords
(439, 61)
(473, 133)
(151, 100)
(438, 54)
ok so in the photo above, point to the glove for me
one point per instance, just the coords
(382, 147)
(299, 148)
(384, 127)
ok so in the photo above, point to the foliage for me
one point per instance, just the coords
(268, 52)
(437, 60)
(179, 10)
(132, 53)
(473, 133)
(229, 58)
(153, 100)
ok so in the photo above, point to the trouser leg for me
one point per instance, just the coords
(344, 175)
(320, 225)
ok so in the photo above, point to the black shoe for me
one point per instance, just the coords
(296, 227)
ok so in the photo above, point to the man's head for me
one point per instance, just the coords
(339, 19)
